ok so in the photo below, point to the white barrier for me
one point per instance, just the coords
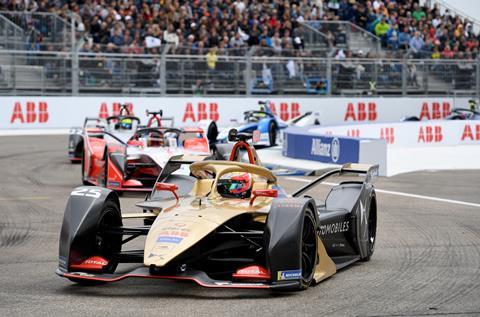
(64, 112)
(412, 134)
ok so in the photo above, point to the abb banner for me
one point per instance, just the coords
(411, 134)
(65, 112)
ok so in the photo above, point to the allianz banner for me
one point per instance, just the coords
(301, 144)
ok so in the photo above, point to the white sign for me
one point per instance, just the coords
(65, 112)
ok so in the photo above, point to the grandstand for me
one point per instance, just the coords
(308, 47)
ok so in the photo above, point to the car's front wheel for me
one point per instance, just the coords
(309, 249)
(105, 244)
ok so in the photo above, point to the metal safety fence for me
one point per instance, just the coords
(67, 73)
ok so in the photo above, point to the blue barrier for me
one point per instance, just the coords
(301, 144)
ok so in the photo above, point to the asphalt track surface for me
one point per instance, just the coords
(426, 261)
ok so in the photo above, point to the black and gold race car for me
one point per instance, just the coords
(229, 225)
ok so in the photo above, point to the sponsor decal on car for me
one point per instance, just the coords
(62, 261)
(169, 239)
(335, 227)
(289, 275)
(114, 184)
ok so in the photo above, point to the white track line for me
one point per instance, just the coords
(389, 192)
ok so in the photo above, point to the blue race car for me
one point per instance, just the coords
(263, 120)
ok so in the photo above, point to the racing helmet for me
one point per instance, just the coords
(234, 185)
(126, 124)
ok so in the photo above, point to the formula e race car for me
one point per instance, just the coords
(123, 125)
(265, 121)
(135, 164)
(228, 225)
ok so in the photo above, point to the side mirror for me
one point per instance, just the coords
(263, 193)
(167, 187)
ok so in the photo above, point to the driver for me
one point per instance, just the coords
(126, 124)
(235, 186)
(472, 104)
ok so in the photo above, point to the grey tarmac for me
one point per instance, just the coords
(426, 261)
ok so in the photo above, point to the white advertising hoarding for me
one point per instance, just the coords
(65, 112)
(412, 134)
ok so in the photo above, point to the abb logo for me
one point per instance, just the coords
(32, 113)
(104, 113)
(202, 113)
(353, 133)
(285, 112)
(435, 111)
(363, 112)
(430, 134)
(468, 133)
(388, 134)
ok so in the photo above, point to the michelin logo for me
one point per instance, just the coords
(289, 275)
(331, 150)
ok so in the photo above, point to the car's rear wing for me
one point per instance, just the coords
(97, 120)
(369, 171)
(171, 119)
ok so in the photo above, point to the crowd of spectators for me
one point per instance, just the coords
(423, 32)
(220, 26)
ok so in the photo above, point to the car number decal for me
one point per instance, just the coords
(95, 193)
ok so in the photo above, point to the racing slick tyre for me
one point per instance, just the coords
(272, 133)
(309, 249)
(371, 228)
(78, 152)
(105, 244)
(212, 133)
(84, 181)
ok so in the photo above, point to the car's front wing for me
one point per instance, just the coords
(199, 277)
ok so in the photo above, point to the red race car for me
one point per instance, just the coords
(123, 125)
(134, 164)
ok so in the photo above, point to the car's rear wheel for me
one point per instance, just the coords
(309, 249)
(106, 245)
(371, 229)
